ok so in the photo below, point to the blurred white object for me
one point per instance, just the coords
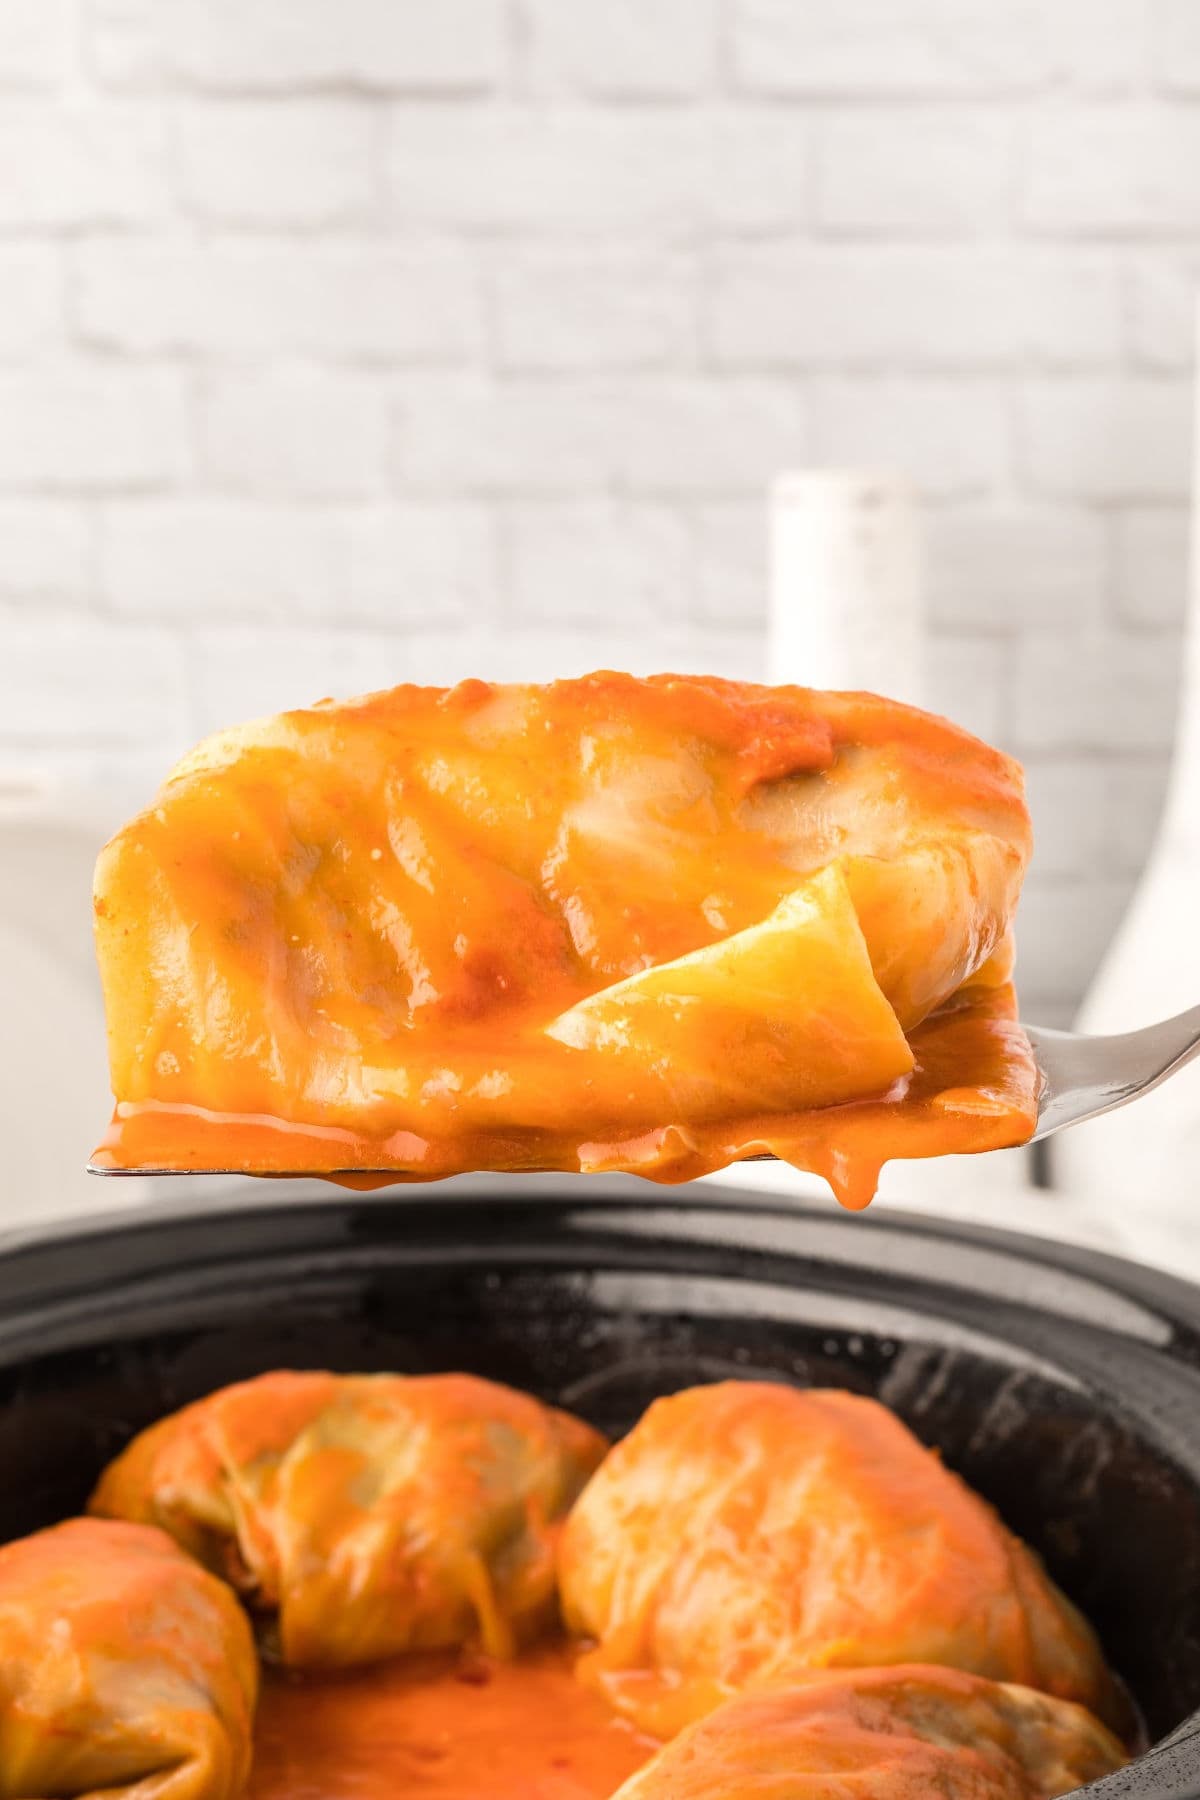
(846, 601)
(847, 611)
(55, 1099)
(1147, 1157)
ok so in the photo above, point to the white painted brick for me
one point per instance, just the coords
(35, 42)
(753, 169)
(938, 47)
(657, 435)
(243, 671)
(707, 436)
(45, 550)
(1113, 168)
(950, 436)
(511, 652)
(1068, 802)
(198, 557)
(31, 299)
(308, 204)
(1096, 690)
(969, 680)
(1134, 803)
(595, 308)
(426, 562)
(924, 307)
(470, 434)
(436, 46)
(539, 655)
(1009, 566)
(731, 558)
(577, 169)
(276, 163)
(440, 656)
(80, 681)
(296, 432)
(92, 426)
(634, 49)
(1107, 439)
(1103, 47)
(239, 672)
(1163, 285)
(598, 560)
(373, 302)
(1177, 44)
(1064, 927)
(1153, 548)
(914, 170)
(68, 164)
(865, 47)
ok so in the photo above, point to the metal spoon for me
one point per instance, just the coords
(1082, 1077)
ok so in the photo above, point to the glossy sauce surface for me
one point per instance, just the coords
(602, 924)
(973, 1087)
(362, 1516)
(125, 1669)
(743, 1530)
(458, 1728)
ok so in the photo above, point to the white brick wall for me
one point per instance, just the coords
(392, 339)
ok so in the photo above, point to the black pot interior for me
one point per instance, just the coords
(1065, 1387)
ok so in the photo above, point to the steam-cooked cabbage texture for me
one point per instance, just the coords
(903, 1733)
(126, 1671)
(601, 924)
(363, 1515)
(748, 1528)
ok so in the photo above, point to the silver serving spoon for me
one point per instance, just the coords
(1082, 1077)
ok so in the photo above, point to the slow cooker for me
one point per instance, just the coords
(1063, 1384)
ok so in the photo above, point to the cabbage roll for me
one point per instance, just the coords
(748, 1528)
(364, 1515)
(604, 923)
(126, 1671)
(903, 1733)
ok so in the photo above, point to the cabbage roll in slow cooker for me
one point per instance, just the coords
(903, 1733)
(364, 1515)
(126, 1671)
(746, 1529)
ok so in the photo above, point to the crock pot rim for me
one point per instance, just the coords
(62, 1260)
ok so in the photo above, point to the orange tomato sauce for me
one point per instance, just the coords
(657, 926)
(974, 1087)
(450, 1726)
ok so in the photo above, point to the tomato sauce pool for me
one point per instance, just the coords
(460, 1728)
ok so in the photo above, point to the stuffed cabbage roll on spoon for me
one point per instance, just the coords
(654, 925)
(126, 1671)
(903, 1733)
(365, 1515)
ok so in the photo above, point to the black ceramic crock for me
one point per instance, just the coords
(1062, 1384)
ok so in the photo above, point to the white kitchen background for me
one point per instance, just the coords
(345, 342)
